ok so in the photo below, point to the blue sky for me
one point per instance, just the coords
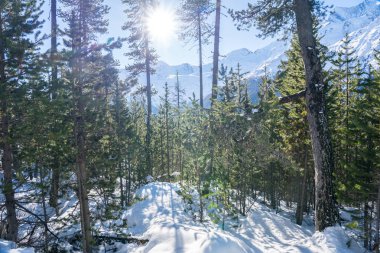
(176, 52)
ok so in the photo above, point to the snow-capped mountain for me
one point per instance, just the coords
(361, 22)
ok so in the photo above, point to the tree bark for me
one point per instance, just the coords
(7, 159)
(326, 213)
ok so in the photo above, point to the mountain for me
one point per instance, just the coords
(361, 22)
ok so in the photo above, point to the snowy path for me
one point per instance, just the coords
(160, 217)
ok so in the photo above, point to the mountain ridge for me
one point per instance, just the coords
(361, 22)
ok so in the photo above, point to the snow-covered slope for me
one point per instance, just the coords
(10, 247)
(362, 22)
(161, 218)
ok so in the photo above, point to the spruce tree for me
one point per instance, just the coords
(294, 130)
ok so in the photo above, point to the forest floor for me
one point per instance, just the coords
(161, 217)
(165, 215)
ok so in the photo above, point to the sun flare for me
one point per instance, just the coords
(161, 24)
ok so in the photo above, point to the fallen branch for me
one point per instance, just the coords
(128, 239)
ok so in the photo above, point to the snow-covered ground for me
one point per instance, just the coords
(10, 247)
(159, 216)
(164, 214)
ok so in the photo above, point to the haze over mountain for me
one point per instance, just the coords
(361, 22)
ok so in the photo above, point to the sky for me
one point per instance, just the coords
(175, 52)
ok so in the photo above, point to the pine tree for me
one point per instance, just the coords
(194, 15)
(143, 57)
(18, 61)
(85, 20)
(54, 93)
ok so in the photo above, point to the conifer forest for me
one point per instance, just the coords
(110, 143)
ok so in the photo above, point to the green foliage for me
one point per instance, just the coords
(230, 154)
(352, 225)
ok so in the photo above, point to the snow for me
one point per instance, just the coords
(334, 240)
(344, 215)
(165, 214)
(160, 217)
(10, 247)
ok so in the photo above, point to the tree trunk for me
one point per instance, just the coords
(366, 225)
(326, 213)
(167, 130)
(199, 189)
(129, 179)
(200, 61)
(79, 128)
(81, 173)
(301, 204)
(378, 219)
(6, 160)
(10, 202)
(55, 178)
(43, 196)
(215, 68)
(215, 74)
(53, 50)
(122, 197)
(149, 109)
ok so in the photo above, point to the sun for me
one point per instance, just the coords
(161, 24)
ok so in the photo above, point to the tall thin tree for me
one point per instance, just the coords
(143, 57)
(86, 20)
(194, 16)
(215, 62)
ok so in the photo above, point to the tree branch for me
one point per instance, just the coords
(293, 97)
(38, 217)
